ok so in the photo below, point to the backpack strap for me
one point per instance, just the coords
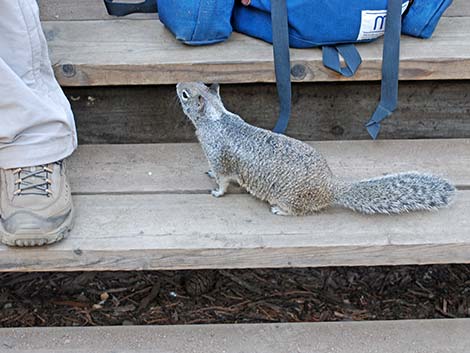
(280, 37)
(280, 30)
(390, 67)
(351, 57)
(123, 9)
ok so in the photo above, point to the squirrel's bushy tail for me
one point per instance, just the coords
(396, 193)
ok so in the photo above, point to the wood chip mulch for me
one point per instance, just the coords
(234, 296)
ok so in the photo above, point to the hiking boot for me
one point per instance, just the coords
(35, 205)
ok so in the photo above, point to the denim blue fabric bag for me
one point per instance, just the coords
(423, 17)
(197, 22)
(317, 23)
(312, 23)
(334, 25)
(193, 22)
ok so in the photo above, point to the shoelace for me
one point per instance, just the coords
(33, 181)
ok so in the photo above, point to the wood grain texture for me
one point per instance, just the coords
(459, 8)
(180, 168)
(83, 10)
(146, 232)
(88, 53)
(320, 111)
(406, 336)
(148, 207)
(72, 10)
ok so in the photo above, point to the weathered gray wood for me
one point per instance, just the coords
(63, 10)
(169, 224)
(144, 232)
(88, 53)
(412, 336)
(180, 168)
(459, 8)
(70, 10)
(321, 111)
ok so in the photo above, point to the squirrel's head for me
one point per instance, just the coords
(200, 102)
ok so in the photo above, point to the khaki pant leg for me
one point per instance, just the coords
(36, 122)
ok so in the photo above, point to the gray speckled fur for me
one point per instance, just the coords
(396, 193)
(289, 174)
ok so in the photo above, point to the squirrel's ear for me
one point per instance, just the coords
(215, 88)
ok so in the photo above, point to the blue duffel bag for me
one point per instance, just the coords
(197, 22)
(334, 25)
(193, 22)
(317, 23)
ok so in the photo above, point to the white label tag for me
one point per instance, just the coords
(373, 23)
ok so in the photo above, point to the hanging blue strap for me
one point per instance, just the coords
(390, 66)
(122, 9)
(331, 59)
(351, 57)
(280, 31)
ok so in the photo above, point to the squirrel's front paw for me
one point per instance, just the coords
(217, 193)
(210, 174)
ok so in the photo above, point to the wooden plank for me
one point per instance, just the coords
(320, 111)
(412, 336)
(63, 10)
(71, 10)
(162, 217)
(459, 8)
(180, 168)
(87, 53)
(169, 232)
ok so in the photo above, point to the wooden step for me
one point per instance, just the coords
(71, 10)
(179, 168)
(148, 207)
(320, 111)
(138, 51)
(429, 336)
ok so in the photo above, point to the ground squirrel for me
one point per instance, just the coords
(291, 175)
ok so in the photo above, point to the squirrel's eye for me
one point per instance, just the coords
(185, 95)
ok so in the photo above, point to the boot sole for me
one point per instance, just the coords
(30, 240)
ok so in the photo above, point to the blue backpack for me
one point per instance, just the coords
(333, 25)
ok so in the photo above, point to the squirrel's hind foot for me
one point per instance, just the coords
(279, 211)
(218, 192)
(222, 183)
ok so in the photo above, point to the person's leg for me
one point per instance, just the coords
(36, 122)
(36, 132)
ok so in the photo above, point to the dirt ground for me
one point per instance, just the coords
(235, 296)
